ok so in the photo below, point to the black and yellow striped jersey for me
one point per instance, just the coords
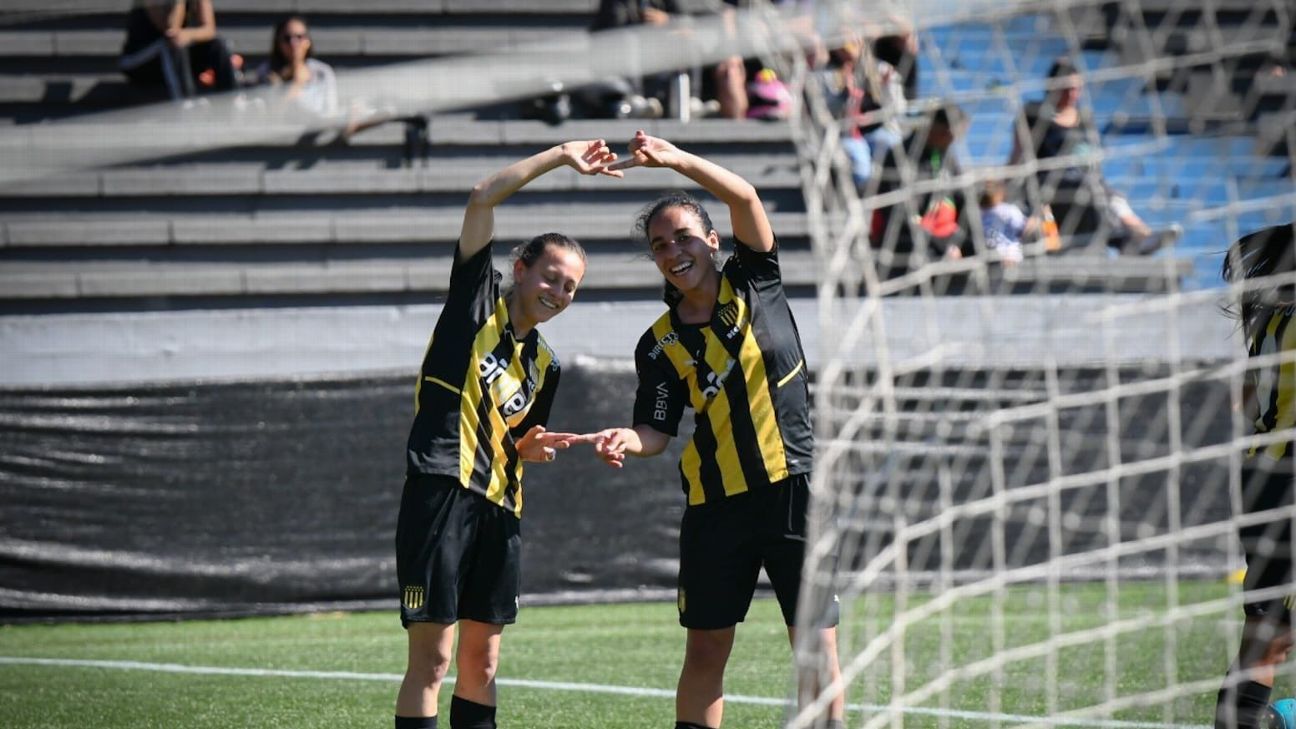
(1272, 405)
(479, 389)
(744, 375)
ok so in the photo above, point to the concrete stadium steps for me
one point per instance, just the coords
(313, 8)
(156, 132)
(399, 225)
(427, 37)
(451, 175)
(347, 216)
(276, 219)
(256, 173)
(59, 59)
(625, 271)
(45, 8)
(55, 280)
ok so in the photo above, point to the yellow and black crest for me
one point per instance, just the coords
(412, 597)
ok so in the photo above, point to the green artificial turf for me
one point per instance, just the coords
(624, 659)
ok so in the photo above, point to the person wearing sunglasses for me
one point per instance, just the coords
(308, 83)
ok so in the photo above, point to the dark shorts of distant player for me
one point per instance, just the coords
(1268, 546)
(724, 544)
(458, 556)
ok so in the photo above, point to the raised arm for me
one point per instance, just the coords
(589, 157)
(746, 212)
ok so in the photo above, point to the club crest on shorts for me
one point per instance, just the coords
(679, 600)
(412, 597)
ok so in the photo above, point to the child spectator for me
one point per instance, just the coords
(1003, 223)
(768, 98)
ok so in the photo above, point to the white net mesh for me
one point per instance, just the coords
(1025, 494)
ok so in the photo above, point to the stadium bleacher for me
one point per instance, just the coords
(315, 218)
(1197, 147)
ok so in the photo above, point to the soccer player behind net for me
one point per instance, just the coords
(482, 402)
(1265, 310)
(729, 348)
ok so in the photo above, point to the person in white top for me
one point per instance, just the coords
(309, 84)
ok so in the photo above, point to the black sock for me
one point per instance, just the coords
(1241, 706)
(465, 714)
(689, 725)
(416, 722)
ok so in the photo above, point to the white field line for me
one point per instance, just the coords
(571, 686)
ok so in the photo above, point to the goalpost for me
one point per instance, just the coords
(1027, 474)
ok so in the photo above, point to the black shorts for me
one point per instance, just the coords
(723, 546)
(1268, 545)
(457, 555)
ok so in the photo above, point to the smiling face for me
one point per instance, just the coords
(544, 289)
(682, 248)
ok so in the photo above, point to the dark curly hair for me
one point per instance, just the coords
(1268, 252)
(668, 200)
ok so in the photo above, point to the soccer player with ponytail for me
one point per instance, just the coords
(481, 405)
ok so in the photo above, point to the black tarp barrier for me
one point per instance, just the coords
(281, 496)
(272, 497)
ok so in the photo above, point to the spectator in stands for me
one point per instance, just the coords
(308, 83)
(768, 98)
(173, 44)
(748, 88)
(900, 51)
(1086, 208)
(648, 97)
(871, 98)
(622, 97)
(933, 223)
(1003, 223)
(1260, 266)
(458, 542)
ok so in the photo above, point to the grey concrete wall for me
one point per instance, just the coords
(63, 349)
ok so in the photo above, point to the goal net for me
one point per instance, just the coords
(1029, 453)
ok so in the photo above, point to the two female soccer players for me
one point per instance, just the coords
(727, 346)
